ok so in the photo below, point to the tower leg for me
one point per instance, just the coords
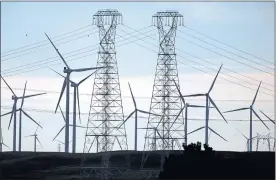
(74, 121)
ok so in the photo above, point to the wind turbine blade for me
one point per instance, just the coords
(217, 109)
(6, 113)
(31, 95)
(194, 95)
(58, 73)
(267, 117)
(13, 111)
(62, 114)
(178, 115)
(30, 135)
(195, 130)
(86, 69)
(22, 102)
(86, 78)
(240, 109)
(8, 85)
(6, 145)
(132, 96)
(31, 118)
(61, 93)
(127, 119)
(256, 94)
(78, 97)
(180, 94)
(39, 142)
(145, 112)
(213, 83)
(217, 134)
(36, 129)
(58, 133)
(209, 135)
(242, 134)
(81, 126)
(58, 52)
(197, 106)
(259, 118)
(59, 141)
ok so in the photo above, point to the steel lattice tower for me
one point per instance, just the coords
(165, 99)
(106, 111)
(266, 138)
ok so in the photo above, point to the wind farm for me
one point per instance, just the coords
(137, 98)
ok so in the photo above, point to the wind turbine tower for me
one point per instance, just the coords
(106, 110)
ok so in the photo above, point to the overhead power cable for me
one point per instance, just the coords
(229, 71)
(193, 119)
(9, 72)
(191, 29)
(137, 97)
(2, 54)
(240, 62)
(223, 68)
(225, 50)
(203, 66)
(47, 43)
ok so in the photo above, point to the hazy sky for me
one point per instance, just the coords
(246, 26)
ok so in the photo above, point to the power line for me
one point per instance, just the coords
(216, 65)
(225, 50)
(201, 65)
(143, 117)
(44, 40)
(191, 66)
(228, 45)
(227, 57)
(137, 97)
(50, 44)
(57, 59)
(228, 70)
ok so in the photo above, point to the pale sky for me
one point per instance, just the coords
(246, 26)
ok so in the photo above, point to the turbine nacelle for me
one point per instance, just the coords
(14, 98)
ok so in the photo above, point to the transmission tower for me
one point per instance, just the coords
(267, 140)
(106, 111)
(165, 99)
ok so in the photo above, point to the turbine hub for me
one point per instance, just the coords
(67, 70)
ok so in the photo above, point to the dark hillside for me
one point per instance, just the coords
(194, 163)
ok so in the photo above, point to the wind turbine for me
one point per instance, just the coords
(76, 97)
(74, 137)
(60, 142)
(14, 110)
(136, 110)
(66, 82)
(20, 117)
(267, 117)
(2, 143)
(247, 140)
(186, 106)
(208, 98)
(35, 139)
(251, 110)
